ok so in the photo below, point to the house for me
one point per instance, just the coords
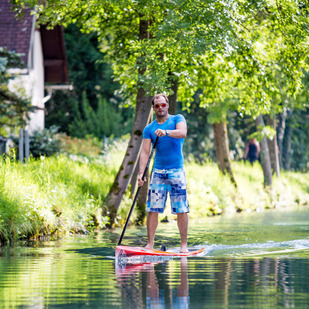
(43, 52)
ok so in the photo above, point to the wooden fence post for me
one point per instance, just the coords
(24, 145)
(27, 145)
(21, 145)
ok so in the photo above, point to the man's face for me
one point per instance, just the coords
(160, 107)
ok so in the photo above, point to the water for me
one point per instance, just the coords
(258, 260)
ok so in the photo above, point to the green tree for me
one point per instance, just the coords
(154, 44)
(14, 109)
(294, 149)
(264, 60)
(104, 121)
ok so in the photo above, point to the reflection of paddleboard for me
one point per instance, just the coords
(130, 268)
(127, 252)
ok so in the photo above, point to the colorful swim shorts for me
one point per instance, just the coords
(162, 182)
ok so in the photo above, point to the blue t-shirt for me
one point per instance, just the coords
(168, 150)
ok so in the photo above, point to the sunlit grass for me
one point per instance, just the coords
(212, 193)
(55, 195)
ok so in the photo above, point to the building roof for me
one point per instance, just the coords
(16, 35)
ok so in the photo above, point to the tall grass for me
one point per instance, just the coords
(65, 193)
(55, 195)
(211, 193)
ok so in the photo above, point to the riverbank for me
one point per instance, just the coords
(64, 194)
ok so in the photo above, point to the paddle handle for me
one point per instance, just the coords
(137, 192)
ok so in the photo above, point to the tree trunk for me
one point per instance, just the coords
(123, 178)
(142, 114)
(280, 133)
(273, 147)
(222, 150)
(142, 197)
(143, 194)
(134, 179)
(265, 158)
(173, 98)
(287, 145)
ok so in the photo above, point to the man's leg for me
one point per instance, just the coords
(152, 223)
(182, 222)
(180, 205)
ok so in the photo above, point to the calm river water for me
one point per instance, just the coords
(258, 260)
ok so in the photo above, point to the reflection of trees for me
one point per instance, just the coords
(270, 282)
(259, 283)
(220, 283)
(32, 277)
(284, 273)
(223, 282)
(262, 282)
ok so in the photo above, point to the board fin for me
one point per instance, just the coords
(163, 248)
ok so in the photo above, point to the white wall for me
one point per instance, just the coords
(30, 83)
(37, 79)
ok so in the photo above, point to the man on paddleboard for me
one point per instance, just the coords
(168, 173)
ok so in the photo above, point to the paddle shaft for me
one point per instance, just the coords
(137, 192)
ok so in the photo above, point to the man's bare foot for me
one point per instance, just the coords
(148, 246)
(184, 249)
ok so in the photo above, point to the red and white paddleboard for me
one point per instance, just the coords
(128, 252)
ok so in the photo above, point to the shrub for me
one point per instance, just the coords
(44, 142)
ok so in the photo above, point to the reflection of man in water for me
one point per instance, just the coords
(155, 296)
(182, 299)
(252, 150)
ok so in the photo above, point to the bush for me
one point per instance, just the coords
(44, 142)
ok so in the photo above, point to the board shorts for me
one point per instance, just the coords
(172, 181)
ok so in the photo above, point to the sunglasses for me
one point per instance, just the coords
(161, 104)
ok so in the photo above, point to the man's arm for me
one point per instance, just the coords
(143, 160)
(180, 132)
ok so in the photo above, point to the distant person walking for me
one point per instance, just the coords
(168, 174)
(252, 150)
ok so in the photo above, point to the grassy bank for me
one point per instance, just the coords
(212, 193)
(63, 194)
(56, 195)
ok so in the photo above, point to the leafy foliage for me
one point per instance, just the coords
(104, 121)
(14, 109)
(199, 143)
(44, 142)
(299, 154)
(243, 56)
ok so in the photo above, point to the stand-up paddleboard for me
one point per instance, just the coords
(128, 252)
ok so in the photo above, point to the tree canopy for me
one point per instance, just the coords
(263, 42)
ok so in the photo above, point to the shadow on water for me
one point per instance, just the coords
(101, 252)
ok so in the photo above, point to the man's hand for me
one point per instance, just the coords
(141, 181)
(160, 132)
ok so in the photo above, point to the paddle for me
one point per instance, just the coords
(137, 192)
